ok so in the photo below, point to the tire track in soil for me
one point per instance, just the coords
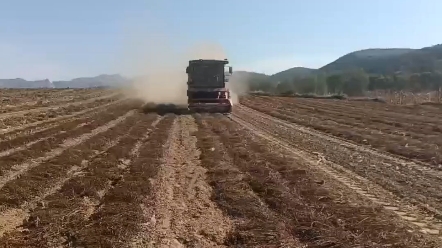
(181, 209)
(66, 211)
(120, 216)
(9, 173)
(45, 124)
(417, 219)
(254, 223)
(24, 142)
(311, 213)
(21, 195)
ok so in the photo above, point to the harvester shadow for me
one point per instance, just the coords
(163, 109)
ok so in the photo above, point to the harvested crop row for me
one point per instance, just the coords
(406, 180)
(121, 217)
(309, 211)
(33, 181)
(15, 97)
(49, 100)
(34, 174)
(344, 182)
(255, 225)
(15, 118)
(61, 106)
(67, 211)
(426, 148)
(21, 97)
(365, 119)
(355, 118)
(332, 110)
(401, 111)
(50, 132)
(44, 148)
(426, 110)
(13, 132)
(47, 93)
(384, 112)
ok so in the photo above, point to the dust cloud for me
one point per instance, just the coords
(161, 71)
(158, 70)
(238, 85)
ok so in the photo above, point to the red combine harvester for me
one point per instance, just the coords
(206, 86)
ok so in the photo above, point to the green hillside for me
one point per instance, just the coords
(389, 61)
(353, 73)
(375, 61)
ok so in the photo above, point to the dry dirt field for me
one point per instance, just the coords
(88, 168)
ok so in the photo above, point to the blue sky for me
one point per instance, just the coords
(66, 39)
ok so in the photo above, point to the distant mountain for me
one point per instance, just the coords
(84, 82)
(90, 82)
(21, 83)
(373, 61)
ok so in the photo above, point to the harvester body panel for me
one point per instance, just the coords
(207, 91)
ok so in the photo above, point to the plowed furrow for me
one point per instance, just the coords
(120, 215)
(67, 211)
(12, 164)
(181, 211)
(310, 212)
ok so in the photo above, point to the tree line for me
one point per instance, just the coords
(351, 83)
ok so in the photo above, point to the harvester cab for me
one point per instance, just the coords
(206, 86)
